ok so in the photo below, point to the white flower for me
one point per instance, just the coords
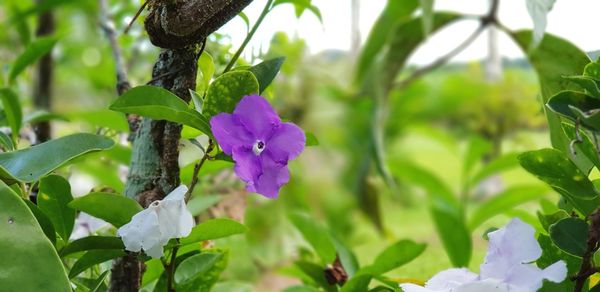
(538, 10)
(153, 227)
(507, 267)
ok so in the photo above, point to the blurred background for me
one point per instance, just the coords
(455, 130)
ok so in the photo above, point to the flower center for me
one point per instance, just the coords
(258, 147)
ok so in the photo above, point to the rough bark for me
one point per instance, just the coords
(178, 27)
(42, 90)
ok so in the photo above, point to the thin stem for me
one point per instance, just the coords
(249, 36)
(442, 60)
(170, 268)
(197, 168)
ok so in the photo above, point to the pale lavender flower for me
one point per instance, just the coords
(507, 267)
(259, 143)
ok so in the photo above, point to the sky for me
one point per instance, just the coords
(575, 20)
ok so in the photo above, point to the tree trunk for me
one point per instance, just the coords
(42, 90)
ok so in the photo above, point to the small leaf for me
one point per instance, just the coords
(24, 248)
(112, 208)
(570, 235)
(13, 111)
(92, 258)
(266, 71)
(53, 199)
(214, 229)
(199, 204)
(538, 10)
(226, 91)
(29, 164)
(316, 235)
(454, 234)
(503, 201)
(550, 219)
(160, 104)
(311, 139)
(194, 266)
(357, 283)
(592, 70)
(315, 274)
(6, 142)
(573, 105)
(198, 101)
(554, 168)
(587, 83)
(33, 51)
(396, 255)
(92, 243)
(99, 281)
(206, 65)
(200, 272)
(43, 220)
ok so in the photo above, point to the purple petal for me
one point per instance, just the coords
(286, 143)
(247, 165)
(257, 115)
(451, 278)
(274, 175)
(229, 132)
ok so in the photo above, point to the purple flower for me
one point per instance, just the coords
(259, 143)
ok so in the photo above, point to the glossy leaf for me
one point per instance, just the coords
(587, 83)
(34, 50)
(566, 104)
(200, 272)
(394, 13)
(548, 220)
(570, 235)
(12, 109)
(92, 258)
(358, 283)
(24, 248)
(453, 233)
(504, 201)
(554, 168)
(92, 243)
(266, 71)
(199, 204)
(206, 65)
(112, 208)
(160, 104)
(396, 255)
(226, 91)
(214, 229)
(53, 199)
(43, 220)
(592, 70)
(316, 235)
(30, 164)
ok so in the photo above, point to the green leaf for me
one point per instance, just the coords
(454, 234)
(28, 165)
(43, 220)
(550, 71)
(503, 201)
(200, 272)
(550, 255)
(548, 220)
(587, 83)
(570, 235)
(266, 71)
(246, 20)
(394, 13)
(198, 102)
(160, 104)
(6, 142)
(427, 9)
(199, 204)
(92, 258)
(396, 255)
(13, 111)
(476, 150)
(574, 105)
(311, 139)
(347, 258)
(316, 274)
(112, 208)
(316, 235)
(92, 243)
(585, 149)
(99, 281)
(33, 51)
(554, 168)
(214, 229)
(357, 283)
(24, 248)
(226, 91)
(104, 118)
(207, 67)
(53, 199)
(504, 162)
(592, 70)
(43, 116)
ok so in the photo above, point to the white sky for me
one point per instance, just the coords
(575, 20)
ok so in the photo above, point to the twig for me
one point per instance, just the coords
(249, 36)
(137, 14)
(109, 29)
(170, 268)
(197, 168)
(442, 60)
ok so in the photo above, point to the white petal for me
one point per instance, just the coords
(451, 278)
(511, 245)
(177, 194)
(538, 10)
(488, 285)
(556, 273)
(141, 232)
(415, 288)
(155, 251)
